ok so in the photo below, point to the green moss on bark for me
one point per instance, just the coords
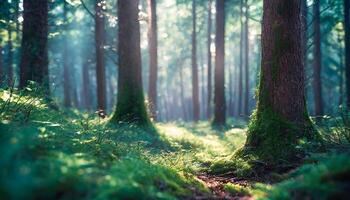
(276, 141)
(131, 108)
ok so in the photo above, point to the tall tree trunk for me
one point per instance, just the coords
(347, 48)
(317, 60)
(203, 96)
(195, 88)
(209, 40)
(235, 110)
(240, 76)
(341, 71)
(219, 84)
(100, 61)
(17, 15)
(231, 91)
(153, 56)
(130, 103)
(34, 56)
(281, 118)
(246, 58)
(304, 37)
(182, 94)
(10, 55)
(75, 99)
(86, 94)
(1, 67)
(65, 55)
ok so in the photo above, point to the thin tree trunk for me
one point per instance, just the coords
(347, 48)
(66, 71)
(17, 2)
(86, 95)
(130, 103)
(281, 119)
(246, 58)
(240, 76)
(219, 84)
(182, 91)
(75, 99)
(235, 92)
(317, 60)
(34, 56)
(2, 75)
(341, 71)
(231, 90)
(153, 56)
(195, 88)
(100, 61)
(10, 55)
(209, 40)
(202, 86)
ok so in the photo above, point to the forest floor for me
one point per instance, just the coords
(66, 154)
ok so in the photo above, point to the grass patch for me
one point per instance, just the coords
(327, 179)
(49, 153)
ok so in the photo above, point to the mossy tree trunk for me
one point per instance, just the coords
(219, 84)
(100, 60)
(281, 118)
(153, 56)
(195, 87)
(34, 57)
(130, 100)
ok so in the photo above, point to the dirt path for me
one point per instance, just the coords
(216, 185)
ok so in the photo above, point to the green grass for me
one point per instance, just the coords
(329, 178)
(66, 154)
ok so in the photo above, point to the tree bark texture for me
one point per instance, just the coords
(347, 47)
(281, 118)
(153, 56)
(130, 100)
(34, 56)
(100, 60)
(209, 55)
(219, 85)
(195, 88)
(317, 65)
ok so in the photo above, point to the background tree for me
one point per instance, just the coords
(10, 49)
(195, 87)
(34, 56)
(246, 58)
(209, 41)
(65, 56)
(219, 88)
(317, 60)
(281, 119)
(100, 7)
(1, 65)
(153, 56)
(240, 76)
(130, 99)
(347, 47)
